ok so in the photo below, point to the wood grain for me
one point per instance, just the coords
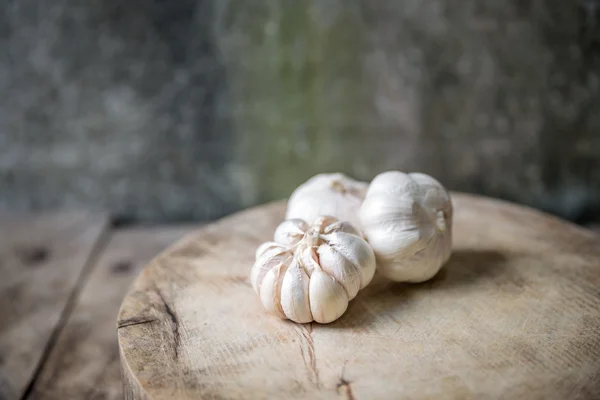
(41, 260)
(84, 364)
(515, 314)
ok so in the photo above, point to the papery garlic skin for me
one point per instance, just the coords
(310, 273)
(407, 220)
(328, 194)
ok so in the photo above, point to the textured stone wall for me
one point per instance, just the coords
(167, 110)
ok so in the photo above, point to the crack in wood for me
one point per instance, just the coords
(90, 262)
(308, 353)
(174, 322)
(344, 385)
(134, 321)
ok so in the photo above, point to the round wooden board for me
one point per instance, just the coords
(515, 314)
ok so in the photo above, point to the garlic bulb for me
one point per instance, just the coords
(328, 194)
(310, 273)
(407, 219)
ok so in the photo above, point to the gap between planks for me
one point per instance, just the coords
(89, 265)
(42, 257)
(83, 361)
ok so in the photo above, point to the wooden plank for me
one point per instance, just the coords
(84, 364)
(41, 261)
(514, 314)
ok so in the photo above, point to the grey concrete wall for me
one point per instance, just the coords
(167, 110)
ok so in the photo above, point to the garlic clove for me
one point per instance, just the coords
(341, 226)
(290, 232)
(328, 299)
(294, 294)
(345, 272)
(271, 256)
(265, 247)
(308, 259)
(357, 252)
(259, 270)
(270, 289)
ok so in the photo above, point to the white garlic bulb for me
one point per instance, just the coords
(328, 194)
(407, 219)
(310, 273)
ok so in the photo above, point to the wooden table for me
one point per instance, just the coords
(63, 277)
(514, 314)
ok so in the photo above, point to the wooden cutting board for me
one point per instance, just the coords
(515, 314)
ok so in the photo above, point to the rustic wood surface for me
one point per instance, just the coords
(41, 261)
(64, 276)
(515, 314)
(84, 363)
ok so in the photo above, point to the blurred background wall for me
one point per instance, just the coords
(163, 110)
